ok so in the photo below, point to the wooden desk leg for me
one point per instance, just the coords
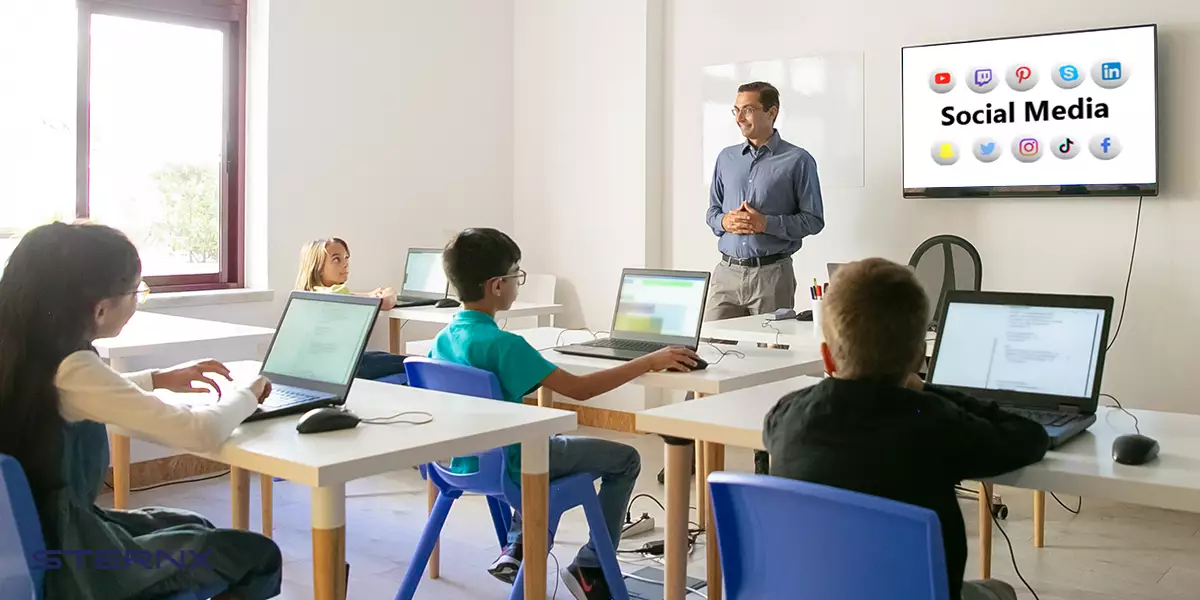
(535, 500)
(394, 339)
(239, 496)
(267, 493)
(545, 397)
(678, 471)
(701, 484)
(1039, 518)
(329, 542)
(119, 445)
(714, 460)
(434, 567)
(985, 530)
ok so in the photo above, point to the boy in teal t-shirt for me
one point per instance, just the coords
(484, 266)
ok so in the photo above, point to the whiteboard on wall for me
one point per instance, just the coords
(821, 110)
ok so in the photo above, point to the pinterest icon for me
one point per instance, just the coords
(1022, 77)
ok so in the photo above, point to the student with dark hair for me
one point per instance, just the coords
(484, 266)
(874, 427)
(64, 287)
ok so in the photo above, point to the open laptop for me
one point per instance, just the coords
(655, 309)
(1038, 355)
(425, 279)
(315, 352)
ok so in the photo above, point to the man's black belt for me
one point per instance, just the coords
(753, 262)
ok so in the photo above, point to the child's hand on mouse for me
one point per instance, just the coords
(261, 388)
(675, 358)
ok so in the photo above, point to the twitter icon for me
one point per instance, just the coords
(987, 150)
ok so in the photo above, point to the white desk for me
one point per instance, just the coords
(148, 334)
(724, 373)
(732, 419)
(429, 314)
(325, 462)
(792, 333)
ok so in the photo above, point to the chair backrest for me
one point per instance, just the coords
(944, 263)
(777, 536)
(20, 534)
(442, 376)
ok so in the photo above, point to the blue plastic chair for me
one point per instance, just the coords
(21, 538)
(492, 480)
(778, 536)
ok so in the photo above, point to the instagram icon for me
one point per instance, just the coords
(1026, 149)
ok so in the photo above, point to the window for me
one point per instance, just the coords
(131, 115)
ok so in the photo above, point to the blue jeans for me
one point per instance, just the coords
(618, 466)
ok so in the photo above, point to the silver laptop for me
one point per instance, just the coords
(315, 352)
(425, 279)
(1038, 355)
(655, 309)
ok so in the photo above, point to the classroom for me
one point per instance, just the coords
(583, 299)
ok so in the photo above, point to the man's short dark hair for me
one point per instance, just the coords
(476, 255)
(767, 93)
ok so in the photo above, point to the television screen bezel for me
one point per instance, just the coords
(1041, 191)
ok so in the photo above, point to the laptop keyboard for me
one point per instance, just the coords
(1043, 418)
(282, 395)
(621, 344)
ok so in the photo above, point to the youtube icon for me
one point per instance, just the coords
(941, 80)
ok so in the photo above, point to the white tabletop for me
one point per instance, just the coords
(724, 373)
(462, 425)
(429, 314)
(149, 333)
(1083, 466)
(758, 329)
(734, 419)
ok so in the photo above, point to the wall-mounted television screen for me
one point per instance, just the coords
(1047, 115)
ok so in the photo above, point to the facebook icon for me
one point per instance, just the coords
(1105, 144)
(1110, 71)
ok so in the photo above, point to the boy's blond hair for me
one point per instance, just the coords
(874, 319)
(312, 260)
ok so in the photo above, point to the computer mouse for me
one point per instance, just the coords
(804, 315)
(329, 418)
(1134, 449)
(701, 364)
(446, 303)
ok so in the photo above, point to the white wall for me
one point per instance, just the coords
(1071, 246)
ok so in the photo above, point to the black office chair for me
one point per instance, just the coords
(943, 263)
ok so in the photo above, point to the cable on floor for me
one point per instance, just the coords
(175, 482)
(1067, 508)
(1129, 277)
(1011, 553)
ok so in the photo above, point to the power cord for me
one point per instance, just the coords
(1067, 508)
(1136, 428)
(394, 419)
(1132, 253)
(768, 325)
(155, 486)
(558, 576)
(736, 353)
(1011, 553)
(558, 341)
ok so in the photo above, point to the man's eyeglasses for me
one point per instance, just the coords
(519, 275)
(745, 110)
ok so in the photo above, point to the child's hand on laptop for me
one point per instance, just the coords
(675, 358)
(261, 388)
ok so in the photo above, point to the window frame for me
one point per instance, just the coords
(228, 16)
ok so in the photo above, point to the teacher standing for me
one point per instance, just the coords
(764, 200)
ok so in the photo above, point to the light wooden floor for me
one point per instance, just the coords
(1109, 552)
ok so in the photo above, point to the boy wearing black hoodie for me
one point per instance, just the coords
(875, 427)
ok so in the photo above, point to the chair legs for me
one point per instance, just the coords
(429, 537)
(501, 519)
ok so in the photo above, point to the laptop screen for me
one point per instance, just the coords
(424, 274)
(320, 340)
(1045, 350)
(661, 306)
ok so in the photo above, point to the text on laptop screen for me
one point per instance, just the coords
(423, 272)
(1031, 349)
(320, 341)
(660, 305)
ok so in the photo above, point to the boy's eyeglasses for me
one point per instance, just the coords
(141, 293)
(519, 275)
